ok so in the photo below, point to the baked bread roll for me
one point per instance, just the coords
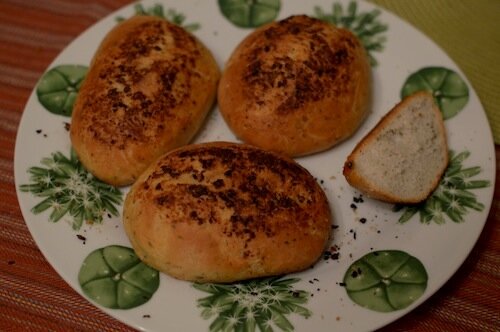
(296, 86)
(148, 89)
(222, 212)
(402, 159)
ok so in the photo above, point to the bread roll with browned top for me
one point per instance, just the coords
(222, 212)
(148, 89)
(296, 86)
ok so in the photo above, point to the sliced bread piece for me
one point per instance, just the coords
(402, 159)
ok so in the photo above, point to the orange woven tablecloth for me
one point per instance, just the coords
(32, 295)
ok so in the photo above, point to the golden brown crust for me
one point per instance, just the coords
(221, 212)
(296, 86)
(148, 90)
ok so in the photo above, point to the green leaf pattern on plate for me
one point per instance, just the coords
(157, 10)
(250, 13)
(386, 281)
(365, 25)
(261, 304)
(58, 88)
(67, 188)
(449, 90)
(115, 278)
(452, 198)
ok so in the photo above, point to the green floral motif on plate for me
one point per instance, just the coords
(67, 188)
(58, 88)
(386, 280)
(260, 304)
(115, 278)
(453, 196)
(449, 89)
(365, 25)
(250, 13)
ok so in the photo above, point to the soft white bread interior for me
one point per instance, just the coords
(402, 159)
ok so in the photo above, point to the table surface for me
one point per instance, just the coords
(34, 297)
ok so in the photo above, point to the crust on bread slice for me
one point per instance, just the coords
(402, 159)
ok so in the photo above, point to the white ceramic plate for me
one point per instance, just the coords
(418, 255)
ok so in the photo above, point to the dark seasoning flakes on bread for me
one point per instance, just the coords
(320, 75)
(224, 212)
(248, 190)
(121, 76)
(296, 86)
(148, 89)
(227, 212)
